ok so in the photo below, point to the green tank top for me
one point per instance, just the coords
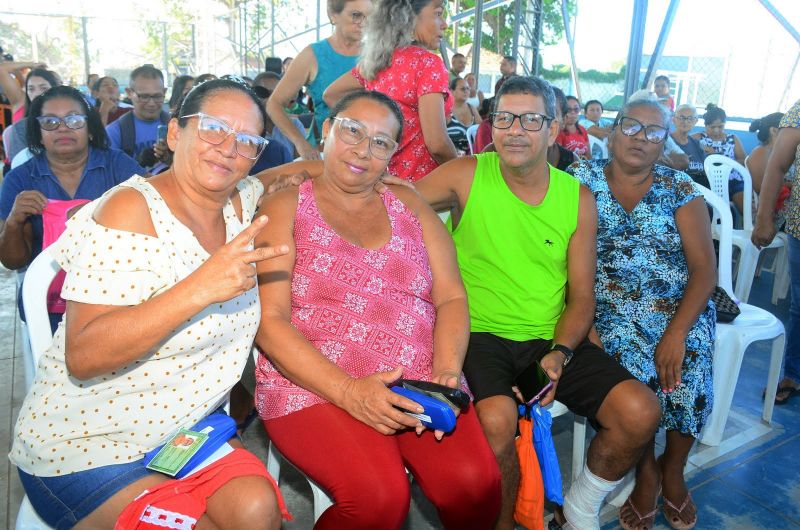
(513, 256)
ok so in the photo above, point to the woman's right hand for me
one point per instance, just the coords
(368, 400)
(230, 271)
(27, 203)
(307, 151)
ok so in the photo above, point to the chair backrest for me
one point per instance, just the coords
(472, 133)
(724, 227)
(38, 277)
(597, 143)
(21, 157)
(718, 169)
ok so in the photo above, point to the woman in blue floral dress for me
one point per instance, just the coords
(655, 273)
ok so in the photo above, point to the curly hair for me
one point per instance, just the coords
(390, 26)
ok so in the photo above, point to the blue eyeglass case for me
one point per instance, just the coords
(437, 415)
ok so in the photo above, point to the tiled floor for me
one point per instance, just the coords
(749, 487)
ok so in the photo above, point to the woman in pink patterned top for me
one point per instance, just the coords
(398, 60)
(369, 292)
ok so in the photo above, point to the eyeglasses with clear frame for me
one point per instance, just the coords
(51, 123)
(215, 131)
(530, 121)
(353, 132)
(631, 127)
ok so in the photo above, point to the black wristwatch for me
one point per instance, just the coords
(566, 350)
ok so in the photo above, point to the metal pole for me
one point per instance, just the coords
(319, 20)
(635, 47)
(666, 27)
(272, 28)
(86, 63)
(780, 18)
(517, 22)
(571, 44)
(194, 49)
(455, 27)
(164, 52)
(476, 37)
(538, 28)
(245, 47)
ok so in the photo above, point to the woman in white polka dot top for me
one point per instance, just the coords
(161, 316)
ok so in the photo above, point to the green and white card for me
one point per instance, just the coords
(177, 451)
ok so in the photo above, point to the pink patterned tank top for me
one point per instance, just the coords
(365, 310)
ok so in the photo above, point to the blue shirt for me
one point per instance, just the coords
(104, 169)
(275, 154)
(146, 134)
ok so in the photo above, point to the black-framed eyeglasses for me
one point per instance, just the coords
(51, 123)
(530, 121)
(631, 127)
(687, 118)
(358, 17)
(144, 98)
(215, 131)
(354, 132)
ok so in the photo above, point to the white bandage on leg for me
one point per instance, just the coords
(584, 499)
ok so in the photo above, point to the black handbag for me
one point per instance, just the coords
(727, 309)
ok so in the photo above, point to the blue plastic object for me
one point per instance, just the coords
(223, 428)
(437, 415)
(546, 453)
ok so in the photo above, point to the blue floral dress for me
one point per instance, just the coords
(641, 277)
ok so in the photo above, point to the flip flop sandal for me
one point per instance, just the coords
(790, 393)
(675, 520)
(642, 521)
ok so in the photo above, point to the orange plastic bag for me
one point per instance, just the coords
(529, 509)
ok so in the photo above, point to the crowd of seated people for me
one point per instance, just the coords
(346, 281)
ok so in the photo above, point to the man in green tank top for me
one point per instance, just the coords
(525, 234)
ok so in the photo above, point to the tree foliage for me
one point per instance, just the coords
(498, 24)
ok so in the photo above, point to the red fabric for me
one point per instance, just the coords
(365, 310)
(483, 136)
(577, 142)
(54, 221)
(414, 72)
(364, 471)
(18, 114)
(783, 195)
(179, 503)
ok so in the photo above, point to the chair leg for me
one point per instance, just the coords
(728, 355)
(747, 268)
(780, 280)
(578, 445)
(775, 361)
(273, 462)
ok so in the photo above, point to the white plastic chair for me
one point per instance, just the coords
(733, 338)
(595, 142)
(21, 157)
(38, 277)
(322, 501)
(472, 133)
(718, 168)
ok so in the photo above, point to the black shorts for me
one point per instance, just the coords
(492, 363)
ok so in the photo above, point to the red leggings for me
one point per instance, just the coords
(364, 471)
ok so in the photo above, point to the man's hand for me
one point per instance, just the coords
(552, 364)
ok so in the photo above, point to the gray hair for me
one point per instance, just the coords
(649, 102)
(520, 84)
(390, 26)
(686, 106)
